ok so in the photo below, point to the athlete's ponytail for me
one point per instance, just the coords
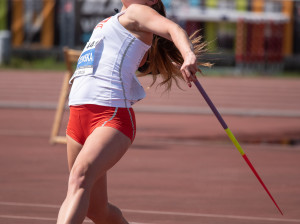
(164, 58)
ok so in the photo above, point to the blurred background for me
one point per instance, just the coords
(247, 35)
(182, 168)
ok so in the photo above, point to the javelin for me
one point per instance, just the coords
(232, 138)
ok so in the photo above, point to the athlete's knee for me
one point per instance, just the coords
(79, 177)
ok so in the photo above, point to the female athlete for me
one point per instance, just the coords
(104, 86)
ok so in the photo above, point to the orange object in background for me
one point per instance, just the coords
(17, 23)
(46, 27)
(287, 9)
(47, 30)
(258, 5)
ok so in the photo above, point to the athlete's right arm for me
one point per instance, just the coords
(147, 19)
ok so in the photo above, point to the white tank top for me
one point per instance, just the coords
(105, 73)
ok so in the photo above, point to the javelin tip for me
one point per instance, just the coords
(262, 183)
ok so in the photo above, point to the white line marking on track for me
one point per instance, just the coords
(33, 218)
(155, 213)
(212, 216)
(44, 218)
(28, 204)
(37, 218)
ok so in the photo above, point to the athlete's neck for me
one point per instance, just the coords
(123, 8)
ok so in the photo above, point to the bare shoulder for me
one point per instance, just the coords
(132, 22)
(138, 7)
(136, 12)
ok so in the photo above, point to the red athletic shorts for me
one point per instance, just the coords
(84, 119)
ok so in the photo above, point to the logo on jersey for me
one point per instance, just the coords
(85, 64)
(101, 24)
(86, 59)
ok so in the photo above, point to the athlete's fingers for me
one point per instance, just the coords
(193, 69)
(193, 74)
(186, 74)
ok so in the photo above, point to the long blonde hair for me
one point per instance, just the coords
(165, 59)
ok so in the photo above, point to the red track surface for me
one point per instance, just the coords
(181, 168)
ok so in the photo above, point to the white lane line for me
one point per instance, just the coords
(168, 213)
(37, 218)
(44, 218)
(212, 216)
(33, 218)
(28, 204)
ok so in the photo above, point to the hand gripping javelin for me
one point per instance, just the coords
(232, 138)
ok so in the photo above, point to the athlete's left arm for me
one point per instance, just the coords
(148, 20)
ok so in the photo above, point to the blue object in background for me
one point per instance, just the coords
(194, 3)
(167, 3)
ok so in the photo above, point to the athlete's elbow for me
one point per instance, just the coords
(176, 32)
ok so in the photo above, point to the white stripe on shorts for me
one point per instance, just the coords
(112, 117)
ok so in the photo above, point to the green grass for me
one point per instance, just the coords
(36, 64)
(52, 64)
(232, 71)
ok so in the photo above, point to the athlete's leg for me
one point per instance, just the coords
(73, 149)
(99, 208)
(100, 211)
(102, 149)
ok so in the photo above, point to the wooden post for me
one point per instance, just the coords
(60, 108)
(17, 22)
(71, 57)
(287, 9)
(47, 32)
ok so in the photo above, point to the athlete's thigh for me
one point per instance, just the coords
(73, 149)
(98, 197)
(102, 150)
